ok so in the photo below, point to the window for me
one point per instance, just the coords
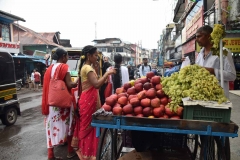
(211, 19)
(119, 49)
(194, 11)
(110, 50)
(103, 49)
(5, 32)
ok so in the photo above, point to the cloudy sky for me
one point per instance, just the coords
(130, 20)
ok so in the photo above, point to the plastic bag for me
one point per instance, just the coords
(186, 62)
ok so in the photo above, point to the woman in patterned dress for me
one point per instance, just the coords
(84, 139)
(59, 121)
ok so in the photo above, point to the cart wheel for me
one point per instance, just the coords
(213, 149)
(227, 148)
(193, 144)
(105, 145)
(118, 143)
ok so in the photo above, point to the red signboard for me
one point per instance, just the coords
(191, 28)
(195, 23)
(189, 47)
(9, 45)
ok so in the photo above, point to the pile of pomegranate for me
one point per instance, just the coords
(144, 98)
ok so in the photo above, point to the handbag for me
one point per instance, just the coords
(58, 94)
(108, 89)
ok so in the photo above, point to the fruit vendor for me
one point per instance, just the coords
(211, 61)
(145, 68)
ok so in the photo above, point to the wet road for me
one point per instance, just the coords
(26, 139)
(235, 117)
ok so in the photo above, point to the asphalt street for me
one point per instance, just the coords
(26, 139)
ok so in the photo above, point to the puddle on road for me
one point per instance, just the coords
(28, 99)
(25, 122)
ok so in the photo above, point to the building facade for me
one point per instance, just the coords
(189, 16)
(111, 46)
(7, 41)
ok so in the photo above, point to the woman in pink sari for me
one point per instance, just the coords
(85, 139)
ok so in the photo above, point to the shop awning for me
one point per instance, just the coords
(30, 58)
(23, 57)
(40, 60)
(10, 18)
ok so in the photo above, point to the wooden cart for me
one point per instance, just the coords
(195, 136)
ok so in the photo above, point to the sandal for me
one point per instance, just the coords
(56, 158)
(71, 155)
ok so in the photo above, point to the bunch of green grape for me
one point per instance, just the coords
(195, 82)
(217, 34)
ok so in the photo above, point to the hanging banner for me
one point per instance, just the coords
(160, 60)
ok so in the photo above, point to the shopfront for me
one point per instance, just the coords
(189, 50)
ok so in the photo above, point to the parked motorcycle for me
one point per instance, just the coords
(19, 84)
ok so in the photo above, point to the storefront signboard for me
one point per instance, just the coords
(39, 54)
(233, 44)
(195, 23)
(11, 47)
(189, 47)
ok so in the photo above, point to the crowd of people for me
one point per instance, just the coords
(72, 124)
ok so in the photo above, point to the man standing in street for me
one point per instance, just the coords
(32, 80)
(212, 62)
(145, 68)
(37, 79)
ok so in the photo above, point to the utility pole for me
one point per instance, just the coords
(221, 43)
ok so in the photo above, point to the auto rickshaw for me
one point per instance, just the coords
(9, 104)
(74, 55)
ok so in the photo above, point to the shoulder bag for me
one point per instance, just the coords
(58, 95)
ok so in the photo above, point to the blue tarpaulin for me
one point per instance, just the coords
(170, 71)
(31, 58)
